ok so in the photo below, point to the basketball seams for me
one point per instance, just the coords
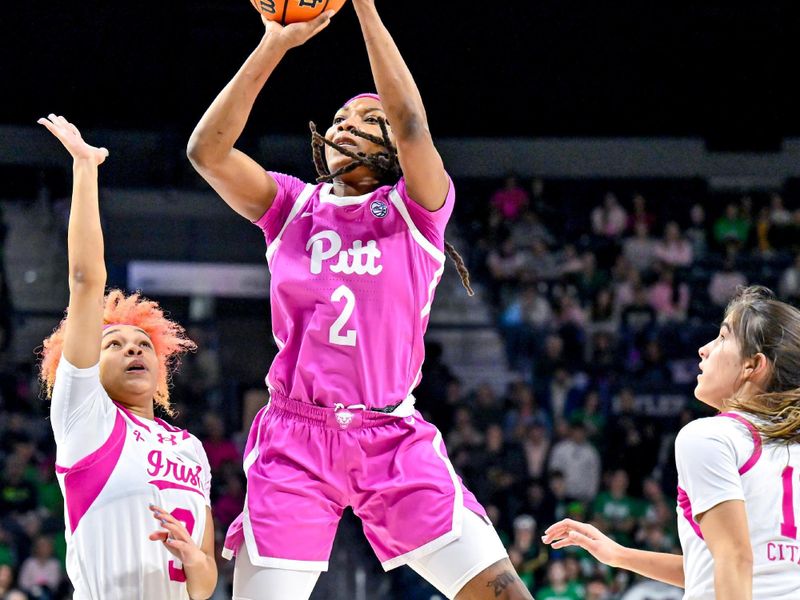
(285, 10)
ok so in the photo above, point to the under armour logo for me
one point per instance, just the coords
(138, 435)
(172, 439)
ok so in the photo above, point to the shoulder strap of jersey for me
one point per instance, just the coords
(757, 443)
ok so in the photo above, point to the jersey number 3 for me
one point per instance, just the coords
(335, 334)
(186, 516)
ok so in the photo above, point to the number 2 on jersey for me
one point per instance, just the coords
(788, 525)
(185, 516)
(335, 334)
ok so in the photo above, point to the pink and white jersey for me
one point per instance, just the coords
(353, 280)
(724, 458)
(111, 466)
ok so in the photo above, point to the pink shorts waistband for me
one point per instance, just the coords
(338, 417)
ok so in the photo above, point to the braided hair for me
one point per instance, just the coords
(385, 165)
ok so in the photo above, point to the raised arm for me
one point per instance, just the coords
(241, 182)
(87, 270)
(426, 180)
(655, 565)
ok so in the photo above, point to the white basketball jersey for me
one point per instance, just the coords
(724, 458)
(111, 466)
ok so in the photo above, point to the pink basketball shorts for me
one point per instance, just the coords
(305, 464)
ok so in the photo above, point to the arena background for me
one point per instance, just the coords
(684, 106)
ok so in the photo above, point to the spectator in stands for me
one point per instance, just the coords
(640, 215)
(597, 589)
(763, 235)
(632, 440)
(640, 250)
(625, 280)
(540, 263)
(579, 461)
(502, 463)
(609, 219)
(563, 395)
(41, 573)
(779, 216)
(558, 587)
(673, 249)
(570, 264)
(669, 298)
(725, 282)
(536, 446)
(638, 320)
(732, 227)
(603, 315)
(527, 553)
(8, 589)
(616, 511)
(219, 449)
(789, 286)
(529, 228)
(549, 360)
(523, 322)
(511, 199)
(590, 279)
(697, 232)
(17, 495)
(593, 416)
(464, 434)
(487, 408)
(524, 411)
(506, 262)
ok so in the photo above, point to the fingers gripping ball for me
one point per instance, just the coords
(294, 11)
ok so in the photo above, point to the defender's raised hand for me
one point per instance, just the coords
(69, 135)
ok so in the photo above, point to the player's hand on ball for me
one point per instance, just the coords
(297, 34)
(69, 135)
(176, 538)
(574, 533)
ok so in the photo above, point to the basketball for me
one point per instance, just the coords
(294, 11)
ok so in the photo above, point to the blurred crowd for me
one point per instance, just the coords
(602, 297)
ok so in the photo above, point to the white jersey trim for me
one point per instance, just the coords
(458, 516)
(326, 197)
(275, 563)
(298, 204)
(437, 254)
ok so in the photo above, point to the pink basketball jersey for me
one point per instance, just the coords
(353, 279)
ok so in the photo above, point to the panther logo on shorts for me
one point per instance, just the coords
(344, 418)
(379, 208)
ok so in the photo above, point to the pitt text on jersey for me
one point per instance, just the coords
(360, 259)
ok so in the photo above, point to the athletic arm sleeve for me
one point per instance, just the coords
(81, 413)
(707, 459)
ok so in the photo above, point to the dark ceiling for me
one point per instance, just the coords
(495, 68)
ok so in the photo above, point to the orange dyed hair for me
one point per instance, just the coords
(168, 338)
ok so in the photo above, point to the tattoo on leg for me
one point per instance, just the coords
(502, 581)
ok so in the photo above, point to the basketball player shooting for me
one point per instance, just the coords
(354, 259)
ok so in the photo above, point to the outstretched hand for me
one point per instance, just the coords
(297, 34)
(574, 533)
(176, 538)
(69, 135)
